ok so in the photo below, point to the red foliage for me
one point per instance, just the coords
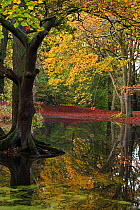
(72, 114)
(84, 114)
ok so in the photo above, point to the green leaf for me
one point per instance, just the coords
(24, 23)
(26, 14)
(20, 19)
(1, 35)
(16, 24)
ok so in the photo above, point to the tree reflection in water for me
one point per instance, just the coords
(98, 171)
(127, 170)
(98, 166)
(19, 166)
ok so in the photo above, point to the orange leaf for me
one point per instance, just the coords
(26, 27)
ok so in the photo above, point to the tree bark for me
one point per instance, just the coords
(26, 110)
(122, 102)
(126, 105)
(113, 100)
(128, 108)
(3, 46)
(18, 68)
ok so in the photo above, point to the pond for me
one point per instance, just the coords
(99, 170)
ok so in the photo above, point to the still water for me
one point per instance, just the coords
(99, 170)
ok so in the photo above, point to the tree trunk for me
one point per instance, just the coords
(127, 98)
(24, 59)
(23, 74)
(18, 68)
(126, 103)
(26, 110)
(113, 100)
(3, 46)
(127, 78)
(122, 102)
(22, 104)
(109, 93)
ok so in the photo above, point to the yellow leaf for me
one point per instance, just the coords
(38, 28)
(31, 7)
(15, 7)
(35, 2)
(17, 1)
(40, 1)
(10, 12)
(7, 17)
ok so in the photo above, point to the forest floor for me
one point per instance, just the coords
(83, 114)
(72, 114)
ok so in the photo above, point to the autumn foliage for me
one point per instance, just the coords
(73, 114)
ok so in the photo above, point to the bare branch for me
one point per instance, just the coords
(110, 51)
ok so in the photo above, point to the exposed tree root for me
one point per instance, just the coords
(11, 145)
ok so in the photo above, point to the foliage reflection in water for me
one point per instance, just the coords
(99, 170)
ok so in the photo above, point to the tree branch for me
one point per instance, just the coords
(114, 84)
(10, 74)
(16, 31)
(38, 38)
(112, 52)
(47, 23)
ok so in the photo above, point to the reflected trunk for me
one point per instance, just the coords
(126, 138)
(19, 168)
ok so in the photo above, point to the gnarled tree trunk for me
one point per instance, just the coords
(18, 68)
(23, 75)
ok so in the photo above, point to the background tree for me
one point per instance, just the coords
(70, 68)
(3, 45)
(112, 34)
(70, 74)
(117, 47)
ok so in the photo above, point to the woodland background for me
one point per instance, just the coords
(91, 58)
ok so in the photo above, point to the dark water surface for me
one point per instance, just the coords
(99, 170)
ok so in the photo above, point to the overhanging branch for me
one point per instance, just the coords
(47, 23)
(15, 31)
(9, 74)
(38, 38)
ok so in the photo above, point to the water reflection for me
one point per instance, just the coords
(19, 166)
(99, 170)
(127, 171)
